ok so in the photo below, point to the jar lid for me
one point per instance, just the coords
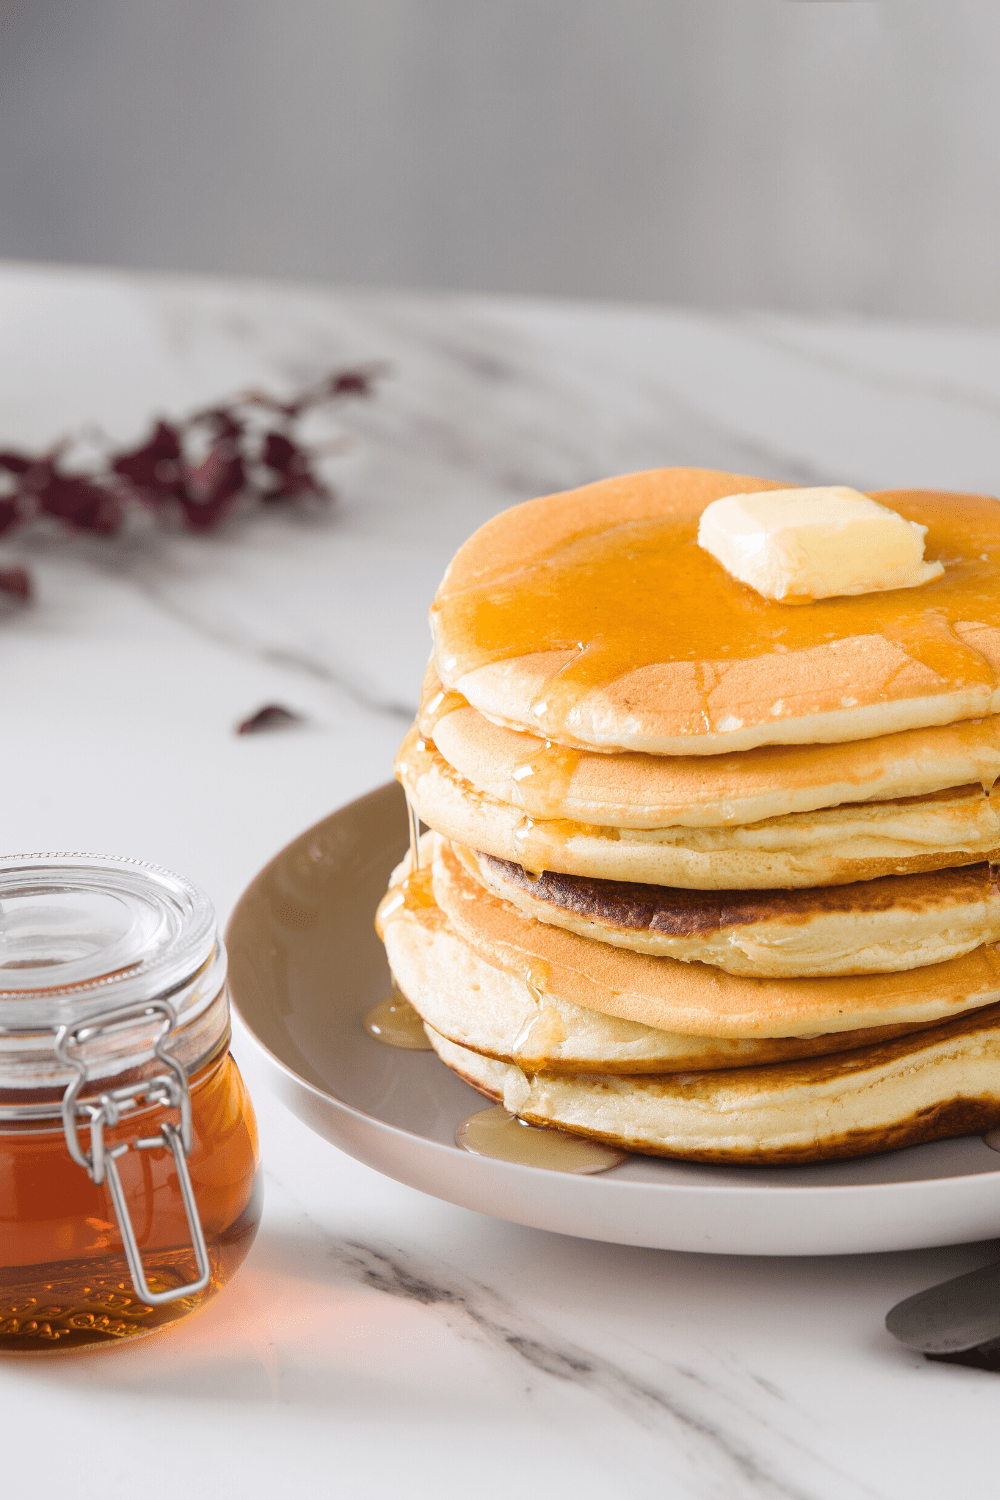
(86, 933)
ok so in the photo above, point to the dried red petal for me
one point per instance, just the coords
(351, 383)
(354, 382)
(279, 452)
(79, 502)
(155, 468)
(16, 583)
(221, 420)
(10, 514)
(15, 463)
(271, 716)
(290, 466)
(214, 488)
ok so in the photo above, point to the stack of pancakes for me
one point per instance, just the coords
(711, 876)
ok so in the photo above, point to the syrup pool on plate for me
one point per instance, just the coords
(395, 1022)
(496, 1132)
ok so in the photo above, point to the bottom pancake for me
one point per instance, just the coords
(939, 1083)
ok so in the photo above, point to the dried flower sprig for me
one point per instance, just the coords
(198, 468)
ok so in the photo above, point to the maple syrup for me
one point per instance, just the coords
(413, 821)
(64, 1278)
(545, 776)
(641, 592)
(415, 891)
(395, 1022)
(542, 1029)
(436, 703)
(496, 1132)
(129, 1185)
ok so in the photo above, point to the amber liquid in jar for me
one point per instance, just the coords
(64, 1279)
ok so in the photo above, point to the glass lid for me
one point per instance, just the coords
(84, 932)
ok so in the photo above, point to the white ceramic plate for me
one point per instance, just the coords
(305, 966)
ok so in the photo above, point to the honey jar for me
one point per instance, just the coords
(129, 1183)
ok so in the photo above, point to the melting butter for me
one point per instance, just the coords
(815, 543)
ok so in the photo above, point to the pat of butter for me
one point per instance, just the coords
(813, 544)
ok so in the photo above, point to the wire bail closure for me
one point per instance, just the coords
(169, 1090)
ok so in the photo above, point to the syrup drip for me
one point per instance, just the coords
(638, 593)
(413, 818)
(497, 1133)
(418, 890)
(538, 1028)
(394, 1020)
(521, 834)
(534, 840)
(994, 868)
(540, 783)
(397, 1024)
(436, 707)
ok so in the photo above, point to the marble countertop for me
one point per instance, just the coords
(378, 1342)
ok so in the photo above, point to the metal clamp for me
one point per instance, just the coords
(169, 1089)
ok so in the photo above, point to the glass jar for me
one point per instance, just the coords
(129, 1184)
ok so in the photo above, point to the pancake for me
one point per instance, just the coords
(832, 846)
(694, 998)
(595, 619)
(633, 790)
(498, 1015)
(872, 927)
(926, 1087)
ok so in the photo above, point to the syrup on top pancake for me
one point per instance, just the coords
(594, 618)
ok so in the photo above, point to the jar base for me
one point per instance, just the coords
(91, 1303)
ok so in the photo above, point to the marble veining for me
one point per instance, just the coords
(719, 1453)
(708, 1408)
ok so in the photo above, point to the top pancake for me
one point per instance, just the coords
(594, 619)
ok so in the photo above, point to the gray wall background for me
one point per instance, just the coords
(819, 154)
